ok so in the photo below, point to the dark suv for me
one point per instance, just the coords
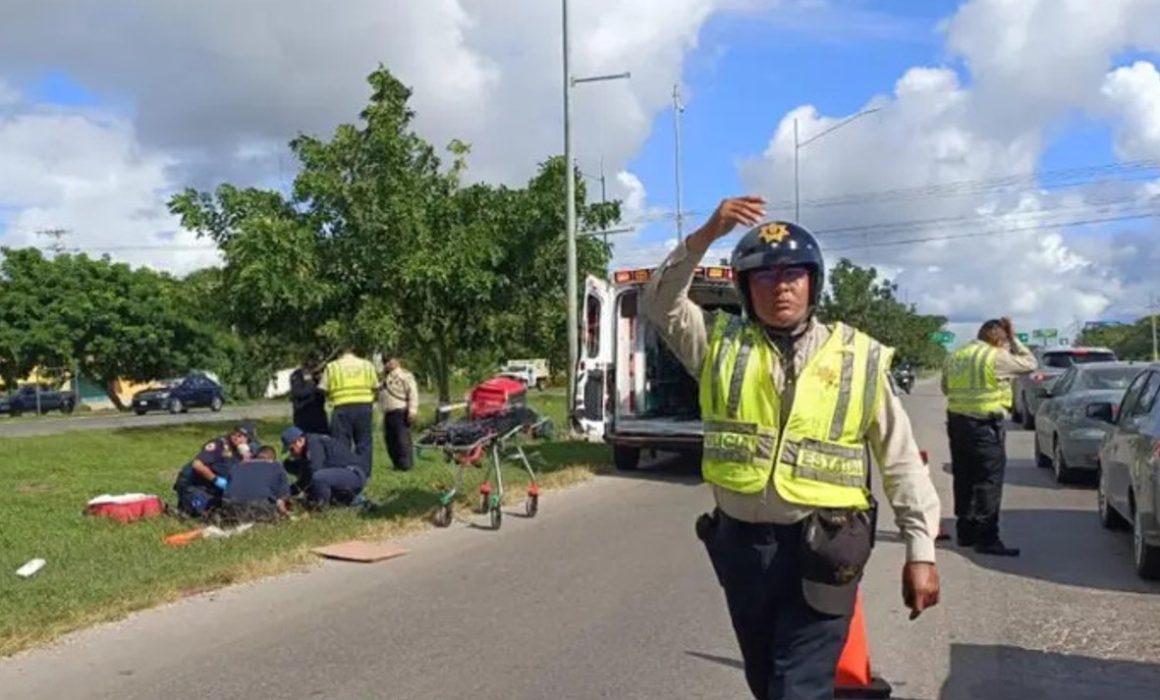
(180, 395)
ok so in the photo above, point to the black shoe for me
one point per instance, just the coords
(998, 549)
(942, 537)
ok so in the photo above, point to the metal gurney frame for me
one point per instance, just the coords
(471, 455)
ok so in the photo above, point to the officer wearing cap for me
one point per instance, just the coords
(790, 407)
(327, 470)
(200, 483)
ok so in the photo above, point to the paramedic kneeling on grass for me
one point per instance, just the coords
(327, 470)
(790, 406)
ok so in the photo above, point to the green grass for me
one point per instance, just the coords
(99, 569)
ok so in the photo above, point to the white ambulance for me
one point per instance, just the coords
(632, 392)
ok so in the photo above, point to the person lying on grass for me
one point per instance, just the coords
(258, 489)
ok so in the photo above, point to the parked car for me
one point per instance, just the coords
(1129, 468)
(1067, 438)
(1053, 362)
(30, 398)
(179, 395)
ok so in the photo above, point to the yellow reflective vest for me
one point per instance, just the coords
(818, 458)
(972, 387)
(351, 380)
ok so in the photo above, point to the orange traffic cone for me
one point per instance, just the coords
(853, 678)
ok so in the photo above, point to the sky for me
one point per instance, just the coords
(1012, 165)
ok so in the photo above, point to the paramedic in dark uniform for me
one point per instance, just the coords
(201, 482)
(790, 407)
(307, 399)
(350, 382)
(328, 472)
(399, 397)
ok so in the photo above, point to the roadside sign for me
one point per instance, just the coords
(1045, 333)
(1023, 337)
(1064, 342)
(943, 337)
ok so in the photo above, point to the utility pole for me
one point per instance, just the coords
(570, 209)
(1152, 309)
(678, 108)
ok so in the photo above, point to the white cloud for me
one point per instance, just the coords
(1031, 63)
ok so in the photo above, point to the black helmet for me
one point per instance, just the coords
(777, 243)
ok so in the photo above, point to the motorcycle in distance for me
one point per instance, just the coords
(904, 377)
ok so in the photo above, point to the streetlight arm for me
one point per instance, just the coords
(598, 78)
(839, 125)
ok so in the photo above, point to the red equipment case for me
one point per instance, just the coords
(495, 396)
(126, 507)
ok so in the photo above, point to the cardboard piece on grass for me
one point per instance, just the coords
(356, 550)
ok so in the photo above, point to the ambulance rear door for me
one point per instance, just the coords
(595, 355)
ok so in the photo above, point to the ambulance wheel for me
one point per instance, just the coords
(626, 459)
(443, 516)
(532, 505)
(496, 518)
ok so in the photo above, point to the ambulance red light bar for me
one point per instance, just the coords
(641, 275)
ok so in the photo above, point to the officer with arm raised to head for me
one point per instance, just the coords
(790, 406)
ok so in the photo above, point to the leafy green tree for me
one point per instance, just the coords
(858, 297)
(1131, 341)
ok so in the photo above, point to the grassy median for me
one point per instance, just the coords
(99, 569)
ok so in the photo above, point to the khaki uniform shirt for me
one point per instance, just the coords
(905, 479)
(399, 392)
(1009, 363)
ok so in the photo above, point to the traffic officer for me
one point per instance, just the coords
(201, 482)
(399, 397)
(328, 472)
(790, 406)
(350, 382)
(977, 383)
(308, 401)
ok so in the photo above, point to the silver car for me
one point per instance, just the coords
(1067, 431)
(1029, 389)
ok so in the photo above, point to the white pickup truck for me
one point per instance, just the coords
(631, 391)
(533, 373)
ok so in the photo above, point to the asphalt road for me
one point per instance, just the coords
(606, 594)
(51, 425)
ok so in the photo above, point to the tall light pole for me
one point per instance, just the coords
(799, 145)
(570, 207)
(678, 108)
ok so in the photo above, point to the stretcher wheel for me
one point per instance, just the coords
(443, 516)
(496, 518)
(532, 505)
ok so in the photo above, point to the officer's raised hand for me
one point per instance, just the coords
(748, 210)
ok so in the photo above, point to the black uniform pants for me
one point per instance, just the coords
(978, 464)
(397, 435)
(335, 485)
(352, 425)
(790, 650)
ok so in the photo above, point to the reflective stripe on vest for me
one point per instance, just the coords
(351, 380)
(821, 459)
(972, 387)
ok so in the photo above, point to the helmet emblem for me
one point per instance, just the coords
(773, 233)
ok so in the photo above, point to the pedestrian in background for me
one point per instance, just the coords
(307, 399)
(350, 382)
(977, 383)
(399, 397)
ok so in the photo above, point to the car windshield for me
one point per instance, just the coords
(1112, 378)
(1063, 360)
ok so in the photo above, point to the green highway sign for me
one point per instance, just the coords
(1023, 337)
(1045, 333)
(943, 337)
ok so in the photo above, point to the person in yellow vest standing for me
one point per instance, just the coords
(350, 383)
(790, 407)
(977, 383)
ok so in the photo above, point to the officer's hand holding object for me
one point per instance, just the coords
(920, 586)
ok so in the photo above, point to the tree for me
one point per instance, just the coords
(1129, 341)
(107, 320)
(382, 246)
(856, 296)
